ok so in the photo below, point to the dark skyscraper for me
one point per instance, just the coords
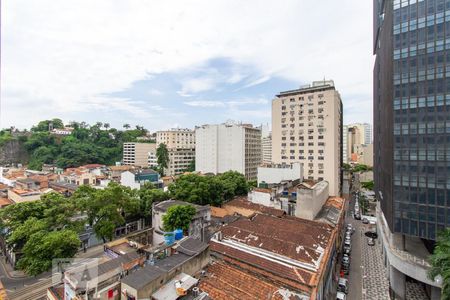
(412, 124)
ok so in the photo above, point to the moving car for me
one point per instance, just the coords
(341, 296)
(371, 242)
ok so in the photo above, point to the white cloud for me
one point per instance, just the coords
(234, 104)
(63, 57)
(205, 104)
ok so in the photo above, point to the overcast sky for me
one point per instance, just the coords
(164, 64)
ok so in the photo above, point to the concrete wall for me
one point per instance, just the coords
(196, 229)
(276, 175)
(190, 267)
(225, 147)
(128, 179)
(310, 201)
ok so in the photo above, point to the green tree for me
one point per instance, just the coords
(367, 185)
(126, 126)
(191, 167)
(107, 209)
(234, 184)
(440, 262)
(198, 189)
(42, 247)
(146, 198)
(43, 126)
(178, 217)
(23, 232)
(162, 158)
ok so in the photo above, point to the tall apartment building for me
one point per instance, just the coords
(177, 138)
(230, 146)
(181, 145)
(307, 128)
(411, 134)
(266, 147)
(354, 137)
(137, 154)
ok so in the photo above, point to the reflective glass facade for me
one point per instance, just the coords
(420, 115)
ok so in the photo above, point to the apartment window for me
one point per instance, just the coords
(310, 144)
(283, 107)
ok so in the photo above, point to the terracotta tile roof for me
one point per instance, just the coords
(224, 281)
(121, 168)
(92, 166)
(3, 186)
(218, 212)
(336, 202)
(296, 238)
(242, 202)
(293, 276)
(5, 202)
(39, 178)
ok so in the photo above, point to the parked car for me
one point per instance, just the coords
(349, 228)
(348, 235)
(343, 285)
(371, 242)
(345, 260)
(357, 216)
(365, 221)
(341, 296)
(347, 250)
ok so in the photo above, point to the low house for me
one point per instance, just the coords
(136, 178)
(21, 195)
(272, 257)
(197, 229)
(158, 279)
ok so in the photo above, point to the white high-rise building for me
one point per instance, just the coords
(230, 146)
(307, 128)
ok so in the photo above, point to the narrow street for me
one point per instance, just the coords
(355, 277)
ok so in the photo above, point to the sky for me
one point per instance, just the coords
(165, 64)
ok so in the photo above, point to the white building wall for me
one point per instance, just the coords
(221, 148)
(128, 179)
(310, 201)
(277, 174)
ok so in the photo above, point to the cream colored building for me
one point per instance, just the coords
(307, 128)
(355, 137)
(266, 146)
(177, 138)
(229, 146)
(137, 154)
(181, 146)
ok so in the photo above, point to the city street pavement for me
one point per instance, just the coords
(355, 276)
(36, 287)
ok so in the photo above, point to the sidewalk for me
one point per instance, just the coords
(9, 270)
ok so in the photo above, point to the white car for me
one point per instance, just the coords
(341, 296)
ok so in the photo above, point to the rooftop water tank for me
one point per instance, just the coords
(169, 238)
(178, 234)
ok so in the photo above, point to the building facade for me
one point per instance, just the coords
(177, 138)
(411, 131)
(266, 146)
(307, 128)
(137, 154)
(354, 138)
(224, 147)
(181, 146)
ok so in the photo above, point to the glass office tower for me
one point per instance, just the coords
(412, 114)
